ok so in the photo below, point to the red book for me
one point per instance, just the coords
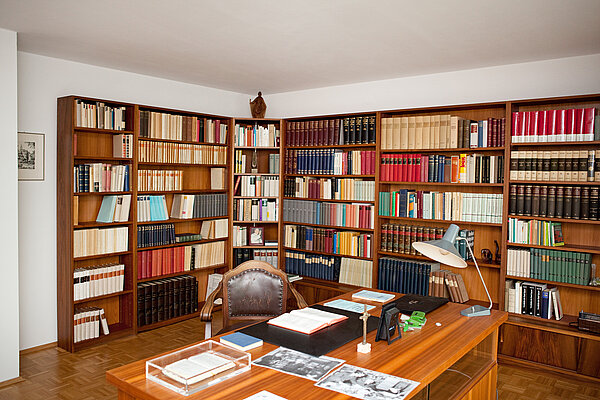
(561, 125)
(541, 132)
(527, 126)
(424, 171)
(490, 135)
(588, 124)
(139, 267)
(571, 130)
(363, 163)
(551, 125)
(516, 127)
(535, 115)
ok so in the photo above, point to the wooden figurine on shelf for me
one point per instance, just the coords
(258, 107)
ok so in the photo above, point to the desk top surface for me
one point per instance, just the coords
(419, 356)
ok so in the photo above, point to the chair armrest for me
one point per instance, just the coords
(299, 299)
(206, 311)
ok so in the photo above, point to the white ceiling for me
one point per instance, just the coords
(283, 45)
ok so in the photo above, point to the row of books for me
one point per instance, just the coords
(405, 276)
(332, 131)
(534, 299)
(100, 177)
(114, 208)
(181, 153)
(565, 165)
(267, 255)
(157, 125)
(256, 209)
(356, 272)
(122, 146)
(353, 215)
(98, 280)
(448, 284)
(330, 162)
(274, 163)
(313, 265)
(571, 125)
(189, 206)
(155, 235)
(550, 265)
(87, 323)
(164, 299)
(332, 241)
(304, 187)
(99, 115)
(91, 242)
(543, 233)
(240, 235)
(465, 168)
(249, 185)
(160, 180)
(153, 263)
(574, 202)
(449, 206)
(152, 208)
(441, 132)
(256, 135)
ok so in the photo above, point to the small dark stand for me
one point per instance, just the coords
(388, 322)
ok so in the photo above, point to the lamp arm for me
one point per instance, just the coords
(478, 271)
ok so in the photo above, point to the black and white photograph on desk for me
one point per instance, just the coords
(367, 384)
(298, 364)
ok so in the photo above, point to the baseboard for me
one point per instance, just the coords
(9, 382)
(37, 348)
(508, 360)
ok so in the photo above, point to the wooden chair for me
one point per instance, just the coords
(252, 292)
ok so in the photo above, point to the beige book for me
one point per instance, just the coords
(534, 157)
(547, 159)
(454, 132)
(435, 131)
(427, 142)
(444, 131)
(412, 125)
(596, 171)
(385, 123)
(528, 155)
(514, 173)
(75, 210)
(574, 165)
(553, 174)
(583, 154)
(569, 174)
(217, 180)
(419, 132)
(396, 133)
(561, 165)
(404, 133)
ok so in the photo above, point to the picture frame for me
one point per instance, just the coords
(31, 156)
(256, 236)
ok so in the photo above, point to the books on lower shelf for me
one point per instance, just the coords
(307, 320)
(369, 295)
(573, 202)
(98, 280)
(449, 206)
(328, 240)
(172, 260)
(215, 229)
(443, 283)
(405, 276)
(441, 132)
(123, 145)
(255, 135)
(331, 131)
(100, 177)
(88, 323)
(152, 208)
(188, 206)
(256, 210)
(353, 215)
(356, 272)
(570, 125)
(463, 168)
(534, 299)
(330, 188)
(550, 265)
(114, 209)
(94, 114)
(267, 255)
(241, 341)
(180, 153)
(165, 299)
(313, 265)
(155, 235)
(257, 186)
(330, 162)
(160, 180)
(544, 233)
(158, 125)
(556, 165)
(90, 242)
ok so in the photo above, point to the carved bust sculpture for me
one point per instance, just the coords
(258, 107)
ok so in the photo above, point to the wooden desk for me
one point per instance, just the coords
(456, 360)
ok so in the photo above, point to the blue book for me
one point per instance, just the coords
(107, 209)
(545, 300)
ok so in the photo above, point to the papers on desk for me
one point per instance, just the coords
(367, 384)
(306, 320)
(197, 368)
(298, 364)
(264, 395)
(348, 305)
(369, 295)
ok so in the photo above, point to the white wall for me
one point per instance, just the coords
(9, 245)
(560, 77)
(41, 81)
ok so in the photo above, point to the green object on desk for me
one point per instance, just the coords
(416, 320)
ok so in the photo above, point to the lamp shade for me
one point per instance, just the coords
(443, 250)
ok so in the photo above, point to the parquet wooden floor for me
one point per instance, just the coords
(55, 374)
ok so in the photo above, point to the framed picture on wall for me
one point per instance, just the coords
(31, 156)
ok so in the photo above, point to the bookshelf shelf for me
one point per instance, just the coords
(255, 197)
(442, 184)
(256, 148)
(442, 221)
(329, 200)
(348, 228)
(100, 193)
(562, 183)
(581, 249)
(180, 220)
(254, 174)
(117, 331)
(328, 254)
(103, 158)
(555, 144)
(255, 222)
(121, 253)
(94, 224)
(182, 142)
(331, 176)
(256, 247)
(444, 151)
(551, 325)
(562, 220)
(419, 257)
(553, 283)
(106, 296)
(170, 321)
(188, 272)
(98, 130)
(167, 246)
(334, 146)
(191, 191)
(166, 164)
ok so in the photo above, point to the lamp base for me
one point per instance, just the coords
(476, 311)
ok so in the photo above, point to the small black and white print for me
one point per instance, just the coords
(26, 155)
(367, 384)
(299, 364)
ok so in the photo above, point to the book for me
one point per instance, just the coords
(306, 320)
(369, 295)
(241, 341)
(197, 368)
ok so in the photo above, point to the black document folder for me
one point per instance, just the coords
(320, 342)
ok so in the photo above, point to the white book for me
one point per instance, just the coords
(370, 295)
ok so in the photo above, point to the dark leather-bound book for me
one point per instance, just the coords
(358, 129)
(576, 203)
(539, 168)
(346, 130)
(594, 203)
(194, 294)
(154, 303)
(560, 201)
(500, 170)
(583, 165)
(467, 133)
(591, 161)
(502, 131)
(177, 296)
(141, 298)
(352, 130)
(371, 133)
(337, 129)
(585, 203)
(514, 165)
(461, 138)
(390, 238)
(568, 168)
(512, 201)
(561, 165)
(148, 303)
(597, 164)
(520, 199)
(324, 138)
(554, 166)
(543, 201)
(551, 211)
(160, 312)
(528, 200)
(535, 201)
(396, 232)
(568, 197)
(478, 169)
